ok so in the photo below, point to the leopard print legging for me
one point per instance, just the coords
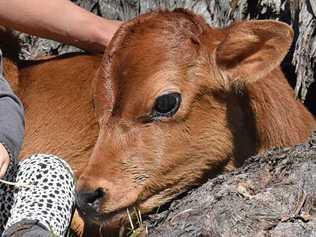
(46, 194)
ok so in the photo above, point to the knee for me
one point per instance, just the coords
(49, 159)
(47, 165)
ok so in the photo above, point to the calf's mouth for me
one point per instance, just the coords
(118, 218)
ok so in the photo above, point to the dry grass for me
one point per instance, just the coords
(137, 226)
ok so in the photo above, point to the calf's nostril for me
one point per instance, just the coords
(91, 197)
(99, 193)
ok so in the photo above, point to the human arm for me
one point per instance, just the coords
(60, 20)
(11, 124)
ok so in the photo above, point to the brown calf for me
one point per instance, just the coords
(178, 102)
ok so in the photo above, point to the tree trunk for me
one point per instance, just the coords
(273, 194)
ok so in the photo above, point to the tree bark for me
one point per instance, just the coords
(273, 194)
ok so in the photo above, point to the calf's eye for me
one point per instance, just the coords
(166, 105)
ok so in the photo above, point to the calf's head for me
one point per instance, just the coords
(172, 109)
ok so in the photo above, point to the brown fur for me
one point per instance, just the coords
(58, 105)
(235, 103)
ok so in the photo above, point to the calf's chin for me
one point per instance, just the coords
(184, 108)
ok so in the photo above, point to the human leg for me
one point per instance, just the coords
(48, 200)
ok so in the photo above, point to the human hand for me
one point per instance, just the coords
(111, 27)
(4, 160)
(101, 35)
(60, 20)
(94, 35)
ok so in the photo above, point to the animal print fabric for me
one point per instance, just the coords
(46, 193)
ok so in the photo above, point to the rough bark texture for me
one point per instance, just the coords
(274, 194)
(301, 14)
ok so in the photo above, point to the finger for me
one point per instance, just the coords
(3, 169)
(1, 164)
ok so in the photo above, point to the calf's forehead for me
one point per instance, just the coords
(155, 39)
(149, 64)
(151, 51)
(155, 52)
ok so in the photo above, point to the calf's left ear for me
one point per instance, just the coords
(252, 49)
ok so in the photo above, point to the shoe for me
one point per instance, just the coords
(27, 228)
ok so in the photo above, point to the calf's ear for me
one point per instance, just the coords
(252, 49)
(102, 94)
